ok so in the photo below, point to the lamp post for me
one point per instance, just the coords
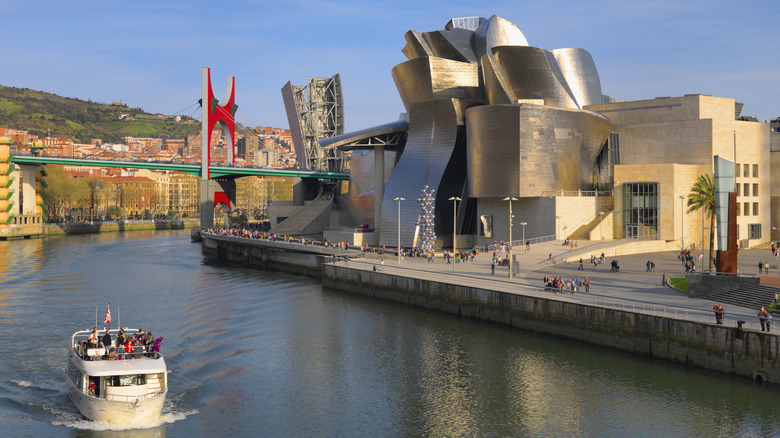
(601, 231)
(398, 249)
(454, 200)
(510, 199)
(525, 247)
(682, 223)
(556, 227)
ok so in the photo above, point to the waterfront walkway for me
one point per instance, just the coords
(632, 288)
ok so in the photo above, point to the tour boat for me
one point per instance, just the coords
(124, 389)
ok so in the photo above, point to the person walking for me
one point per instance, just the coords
(579, 268)
(718, 310)
(587, 284)
(493, 268)
(760, 267)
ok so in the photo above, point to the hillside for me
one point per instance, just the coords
(38, 112)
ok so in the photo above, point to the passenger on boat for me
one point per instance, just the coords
(112, 354)
(157, 345)
(92, 340)
(129, 346)
(120, 338)
(92, 387)
(81, 351)
(107, 339)
(149, 339)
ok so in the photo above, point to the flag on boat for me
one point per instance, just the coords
(108, 314)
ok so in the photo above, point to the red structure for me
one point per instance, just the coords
(213, 113)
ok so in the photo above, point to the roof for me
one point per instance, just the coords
(352, 137)
(143, 365)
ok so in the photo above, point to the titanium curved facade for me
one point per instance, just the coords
(525, 150)
(489, 117)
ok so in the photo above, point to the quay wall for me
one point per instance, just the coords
(714, 347)
(294, 258)
(86, 228)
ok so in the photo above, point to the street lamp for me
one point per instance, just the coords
(454, 200)
(525, 247)
(556, 227)
(398, 249)
(510, 199)
(682, 223)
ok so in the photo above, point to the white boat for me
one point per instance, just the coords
(126, 389)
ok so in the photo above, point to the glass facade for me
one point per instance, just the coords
(640, 210)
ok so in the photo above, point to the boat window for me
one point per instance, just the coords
(129, 380)
(74, 374)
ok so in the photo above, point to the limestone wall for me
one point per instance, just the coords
(720, 348)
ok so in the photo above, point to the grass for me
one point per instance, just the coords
(679, 283)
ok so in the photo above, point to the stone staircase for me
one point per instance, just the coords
(753, 296)
(311, 219)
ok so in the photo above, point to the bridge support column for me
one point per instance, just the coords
(28, 199)
(212, 193)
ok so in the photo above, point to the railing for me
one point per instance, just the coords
(592, 193)
(352, 229)
(134, 398)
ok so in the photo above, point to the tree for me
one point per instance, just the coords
(702, 196)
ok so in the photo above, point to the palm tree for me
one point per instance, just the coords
(702, 196)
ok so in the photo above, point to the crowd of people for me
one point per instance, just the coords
(126, 346)
(558, 284)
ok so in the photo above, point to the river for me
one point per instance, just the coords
(256, 353)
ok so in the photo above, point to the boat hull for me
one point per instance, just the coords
(115, 411)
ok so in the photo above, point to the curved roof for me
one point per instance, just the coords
(348, 141)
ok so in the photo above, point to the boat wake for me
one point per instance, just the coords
(165, 418)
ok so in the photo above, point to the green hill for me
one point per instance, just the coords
(38, 113)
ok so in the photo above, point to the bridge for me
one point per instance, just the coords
(216, 172)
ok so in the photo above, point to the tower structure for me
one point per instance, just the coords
(315, 111)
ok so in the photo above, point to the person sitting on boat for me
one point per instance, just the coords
(92, 340)
(80, 350)
(112, 354)
(92, 387)
(129, 346)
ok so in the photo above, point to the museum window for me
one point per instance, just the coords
(640, 210)
(746, 170)
(746, 209)
(736, 169)
(755, 171)
(755, 189)
(737, 186)
(754, 231)
(755, 209)
(746, 192)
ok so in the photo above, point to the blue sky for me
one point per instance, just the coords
(149, 53)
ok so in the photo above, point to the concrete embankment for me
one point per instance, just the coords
(98, 227)
(727, 349)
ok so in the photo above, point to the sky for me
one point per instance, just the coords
(149, 54)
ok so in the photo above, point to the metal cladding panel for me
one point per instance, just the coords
(416, 47)
(496, 94)
(525, 150)
(295, 123)
(452, 44)
(361, 190)
(527, 74)
(496, 32)
(581, 74)
(422, 79)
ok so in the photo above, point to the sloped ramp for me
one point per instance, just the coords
(311, 219)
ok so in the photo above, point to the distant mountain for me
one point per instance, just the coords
(38, 113)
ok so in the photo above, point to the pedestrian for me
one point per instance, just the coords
(763, 318)
(766, 268)
(493, 268)
(652, 265)
(718, 310)
(760, 267)
(648, 266)
(579, 268)
(587, 284)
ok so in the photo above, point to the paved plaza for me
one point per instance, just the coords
(632, 288)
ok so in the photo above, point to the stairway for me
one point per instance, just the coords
(751, 296)
(311, 219)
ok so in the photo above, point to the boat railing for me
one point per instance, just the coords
(133, 398)
(101, 353)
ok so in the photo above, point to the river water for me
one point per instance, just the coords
(262, 354)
